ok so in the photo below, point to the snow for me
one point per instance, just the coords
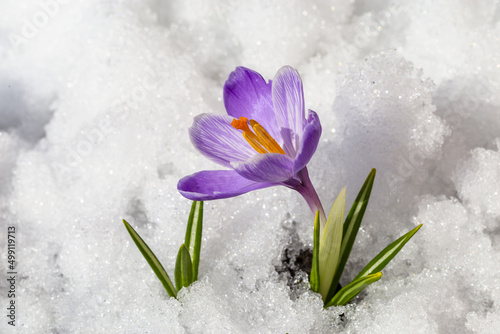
(95, 101)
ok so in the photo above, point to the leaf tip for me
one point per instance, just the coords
(415, 230)
(128, 226)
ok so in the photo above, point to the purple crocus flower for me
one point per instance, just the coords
(263, 141)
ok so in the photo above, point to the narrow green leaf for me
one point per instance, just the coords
(314, 277)
(194, 229)
(352, 289)
(384, 257)
(183, 268)
(152, 260)
(351, 228)
(329, 245)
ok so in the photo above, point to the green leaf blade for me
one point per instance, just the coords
(330, 241)
(193, 238)
(351, 227)
(387, 254)
(153, 261)
(352, 289)
(183, 268)
(314, 277)
(196, 233)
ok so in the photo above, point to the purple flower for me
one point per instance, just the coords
(264, 140)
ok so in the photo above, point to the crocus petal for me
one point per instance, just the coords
(214, 137)
(270, 167)
(246, 94)
(216, 184)
(308, 142)
(288, 102)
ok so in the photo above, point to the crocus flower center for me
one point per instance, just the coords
(259, 139)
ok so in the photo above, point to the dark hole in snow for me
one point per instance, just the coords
(295, 263)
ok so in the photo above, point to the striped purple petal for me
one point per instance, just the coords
(216, 184)
(270, 167)
(308, 142)
(246, 94)
(288, 102)
(214, 137)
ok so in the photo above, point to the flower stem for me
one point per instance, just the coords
(306, 189)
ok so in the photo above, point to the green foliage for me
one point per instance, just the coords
(335, 245)
(387, 254)
(314, 277)
(351, 227)
(329, 245)
(183, 268)
(188, 257)
(352, 289)
(152, 260)
(194, 229)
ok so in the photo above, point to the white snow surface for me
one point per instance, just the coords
(96, 97)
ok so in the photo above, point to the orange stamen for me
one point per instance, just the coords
(261, 140)
(265, 138)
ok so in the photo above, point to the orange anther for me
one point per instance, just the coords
(261, 141)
